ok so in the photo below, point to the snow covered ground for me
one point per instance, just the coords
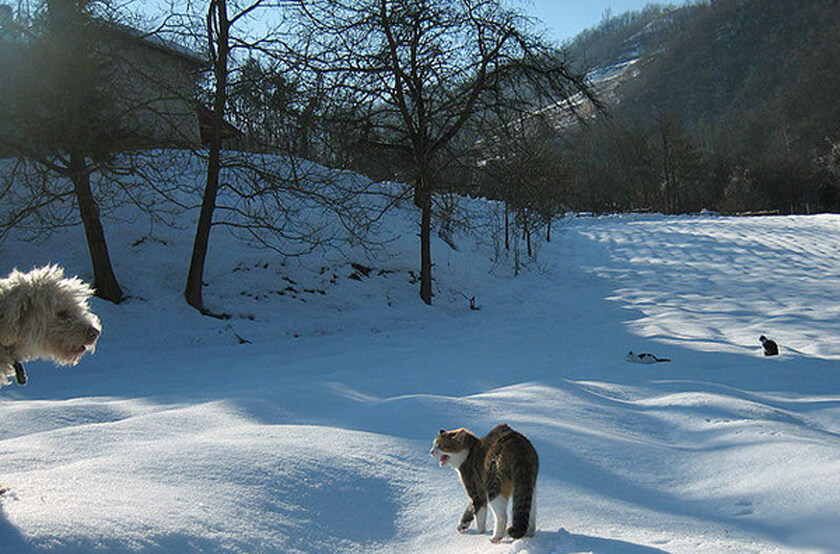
(313, 436)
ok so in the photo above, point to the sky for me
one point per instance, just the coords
(564, 19)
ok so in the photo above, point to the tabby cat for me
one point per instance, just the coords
(492, 469)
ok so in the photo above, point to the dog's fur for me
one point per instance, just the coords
(44, 315)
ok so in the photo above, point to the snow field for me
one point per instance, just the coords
(314, 437)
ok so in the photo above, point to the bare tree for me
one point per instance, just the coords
(220, 22)
(529, 171)
(63, 112)
(268, 197)
(682, 166)
(218, 33)
(421, 72)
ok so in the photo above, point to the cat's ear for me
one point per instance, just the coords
(442, 431)
(463, 436)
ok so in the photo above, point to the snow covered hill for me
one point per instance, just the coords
(313, 436)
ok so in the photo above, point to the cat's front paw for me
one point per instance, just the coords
(497, 540)
(463, 527)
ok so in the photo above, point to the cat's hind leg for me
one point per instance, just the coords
(499, 507)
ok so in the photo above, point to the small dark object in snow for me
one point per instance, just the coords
(770, 346)
(473, 305)
(644, 358)
(363, 269)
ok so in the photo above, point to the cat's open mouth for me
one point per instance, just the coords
(443, 459)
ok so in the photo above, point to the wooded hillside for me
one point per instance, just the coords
(730, 105)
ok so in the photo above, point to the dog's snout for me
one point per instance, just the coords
(92, 333)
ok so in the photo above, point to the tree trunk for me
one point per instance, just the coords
(525, 216)
(424, 200)
(104, 281)
(667, 165)
(516, 255)
(195, 277)
(507, 227)
(216, 21)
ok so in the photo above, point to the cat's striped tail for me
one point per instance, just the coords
(524, 492)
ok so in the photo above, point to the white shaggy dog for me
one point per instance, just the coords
(44, 315)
